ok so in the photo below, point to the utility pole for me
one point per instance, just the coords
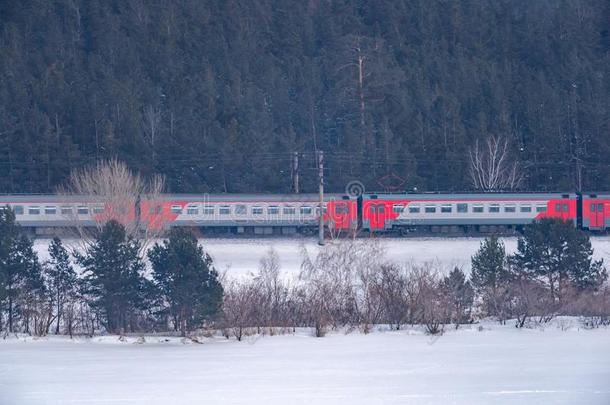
(295, 172)
(321, 191)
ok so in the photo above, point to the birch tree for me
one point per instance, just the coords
(492, 168)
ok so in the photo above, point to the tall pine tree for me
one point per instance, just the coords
(20, 272)
(113, 278)
(490, 276)
(187, 279)
(61, 279)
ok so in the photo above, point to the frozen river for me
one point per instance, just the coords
(498, 365)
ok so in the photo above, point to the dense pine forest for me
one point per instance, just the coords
(217, 94)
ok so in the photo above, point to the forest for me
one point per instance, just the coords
(216, 95)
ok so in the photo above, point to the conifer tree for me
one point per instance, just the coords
(185, 275)
(490, 276)
(113, 278)
(61, 279)
(20, 272)
(459, 295)
(558, 253)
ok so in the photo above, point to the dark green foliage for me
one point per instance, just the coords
(458, 293)
(214, 94)
(187, 280)
(560, 254)
(20, 272)
(61, 279)
(113, 278)
(489, 264)
(490, 277)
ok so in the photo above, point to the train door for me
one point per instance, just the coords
(377, 216)
(597, 215)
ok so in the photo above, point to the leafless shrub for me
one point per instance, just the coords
(593, 306)
(393, 294)
(238, 307)
(342, 284)
(529, 298)
(432, 307)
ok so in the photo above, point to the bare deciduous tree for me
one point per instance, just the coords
(491, 166)
(108, 191)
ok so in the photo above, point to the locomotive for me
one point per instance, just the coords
(270, 214)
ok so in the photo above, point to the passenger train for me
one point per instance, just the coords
(269, 214)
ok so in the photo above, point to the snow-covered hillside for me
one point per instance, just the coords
(499, 365)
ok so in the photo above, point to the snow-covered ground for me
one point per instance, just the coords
(499, 365)
(241, 256)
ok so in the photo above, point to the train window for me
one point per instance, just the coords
(66, 210)
(430, 209)
(33, 210)
(561, 207)
(257, 210)
(18, 209)
(478, 208)
(526, 208)
(208, 210)
(398, 208)
(98, 209)
(510, 208)
(414, 209)
(600, 207)
(380, 209)
(192, 210)
(306, 210)
(176, 209)
(541, 208)
(462, 208)
(494, 208)
(446, 209)
(289, 211)
(82, 210)
(593, 207)
(155, 210)
(224, 210)
(273, 210)
(342, 209)
(241, 209)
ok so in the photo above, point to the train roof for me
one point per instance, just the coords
(228, 197)
(466, 196)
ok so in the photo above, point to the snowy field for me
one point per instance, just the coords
(499, 365)
(240, 257)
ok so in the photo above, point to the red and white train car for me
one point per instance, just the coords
(457, 212)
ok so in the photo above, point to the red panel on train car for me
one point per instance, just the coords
(564, 208)
(155, 215)
(594, 209)
(342, 214)
(376, 213)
